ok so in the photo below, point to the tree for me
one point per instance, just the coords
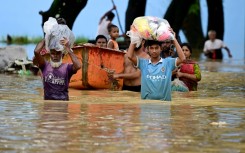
(192, 26)
(216, 17)
(135, 9)
(67, 9)
(185, 15)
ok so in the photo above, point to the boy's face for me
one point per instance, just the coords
(154, 50)
(114, 33)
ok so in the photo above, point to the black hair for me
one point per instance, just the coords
(111, 26)
(100, 36)
(138, 48)
(110, 16)
(187, 45)
(153, 42)
(61, 21)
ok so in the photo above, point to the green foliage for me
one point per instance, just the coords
(21, 40)
(81, 40)
(195, 8)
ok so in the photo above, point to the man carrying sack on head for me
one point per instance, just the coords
(55, 74)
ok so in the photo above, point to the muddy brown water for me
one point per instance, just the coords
(101, 121)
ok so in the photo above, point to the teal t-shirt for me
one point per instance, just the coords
(156, 78)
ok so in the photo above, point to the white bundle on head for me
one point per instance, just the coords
(55, 32)
(149, 28)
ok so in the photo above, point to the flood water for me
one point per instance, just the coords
(211, 119)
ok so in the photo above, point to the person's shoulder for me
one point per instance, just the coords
(207, 41)
(169, 58)
(142, 59)
(218, 40)
(190, 62)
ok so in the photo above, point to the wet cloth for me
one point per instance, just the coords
(156, 78)
(56, 81)
(178, 85)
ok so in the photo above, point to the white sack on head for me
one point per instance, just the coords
(50, 24)
(149, 28)
(55, 32)
(135, 38)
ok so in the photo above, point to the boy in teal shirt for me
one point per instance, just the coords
(156, 72)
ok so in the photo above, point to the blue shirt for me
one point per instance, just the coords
(156, 78)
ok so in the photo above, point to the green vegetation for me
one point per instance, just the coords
(81, 40)
(21, 40)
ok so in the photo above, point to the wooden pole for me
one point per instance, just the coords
(118, 17)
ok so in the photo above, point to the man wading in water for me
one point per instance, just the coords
(55, 74)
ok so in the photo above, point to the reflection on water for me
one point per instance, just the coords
(119, 121)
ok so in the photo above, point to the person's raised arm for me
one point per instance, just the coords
(131, 55)
(181, 56)
(113, 8)
(76, 64)
(38, 58)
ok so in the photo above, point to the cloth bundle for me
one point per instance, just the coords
(178, 85)
(149, 28)
(55, 32)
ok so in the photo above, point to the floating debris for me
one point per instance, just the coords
(219, 123)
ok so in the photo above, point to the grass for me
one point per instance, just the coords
(22, 40)
(81, 39)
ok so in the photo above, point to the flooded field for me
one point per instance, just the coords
(209, 120)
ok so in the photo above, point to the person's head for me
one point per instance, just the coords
(141, 45)
(101, 41)
(113, 31)
(61, 21)
(166, 45)
(212, 34)
(110, 16)
(167, 48)
(154, 48)
(187, 50)
(55, 58)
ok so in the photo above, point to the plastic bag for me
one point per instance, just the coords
(178, 85)
(49, 25)
(149, 28)
(55, 32)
